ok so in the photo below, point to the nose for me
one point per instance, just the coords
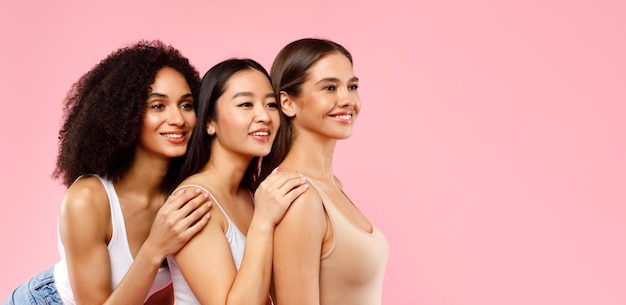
(261, 114)
(175, 117)
(346, 99)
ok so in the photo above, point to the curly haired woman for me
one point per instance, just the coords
(127, 124)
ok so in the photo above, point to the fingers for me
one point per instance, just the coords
(294, 193)
(196, 226)
(200, 200)
(283, 181)
(275, 194)
(195, 211)
(292, 182)
(180, 197)
(187, 206)
(182, 215)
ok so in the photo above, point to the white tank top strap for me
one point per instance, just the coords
(204, 189)
(117, 217)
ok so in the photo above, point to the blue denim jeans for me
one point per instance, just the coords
(40, 290)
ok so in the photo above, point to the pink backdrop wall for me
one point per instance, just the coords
(491, 147)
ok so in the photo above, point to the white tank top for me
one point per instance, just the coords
(119, 253)
(237, 242)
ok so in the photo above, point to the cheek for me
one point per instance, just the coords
(275, 119)
(314, 105)
(150, 122)
(232, 125)
(190, 118)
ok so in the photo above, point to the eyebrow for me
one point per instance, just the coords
(156, 94)
(334, 80)
(250, 94)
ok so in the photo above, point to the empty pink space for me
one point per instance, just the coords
(490, 149)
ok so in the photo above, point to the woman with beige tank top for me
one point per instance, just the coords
(326, 251)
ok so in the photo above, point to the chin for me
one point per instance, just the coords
(263, 152)
(345, 135)
(176, 154)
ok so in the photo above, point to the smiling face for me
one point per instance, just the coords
(170, 116)
(247, 115)
(329, 101)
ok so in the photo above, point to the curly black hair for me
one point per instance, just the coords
(104, 112)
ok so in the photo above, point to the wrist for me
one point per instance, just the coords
(153, 258)
(263, 227)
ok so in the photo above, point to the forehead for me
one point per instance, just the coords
(249, 80)
(334, 65)
(168, 78)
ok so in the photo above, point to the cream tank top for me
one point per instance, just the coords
(353, 269)
(119, 253)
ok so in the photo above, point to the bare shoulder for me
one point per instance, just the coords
(306, 216)
(85, 212)
(86, 195)
(217, 221)
(307, 206)
(192, 181)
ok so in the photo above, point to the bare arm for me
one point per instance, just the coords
(207, 263)
(272, 199)
(84, 224)
(297, 251)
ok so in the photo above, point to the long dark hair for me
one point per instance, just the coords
(212, 87)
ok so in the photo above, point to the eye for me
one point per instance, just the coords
(157, 106)
(245, 104)
(272, 105)
(330, 87)
(353, 87)
(187, 106)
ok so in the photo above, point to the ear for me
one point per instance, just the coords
(210, 128)
(287, 104)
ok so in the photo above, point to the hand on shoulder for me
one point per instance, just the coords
(277, 192)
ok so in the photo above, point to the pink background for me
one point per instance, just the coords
(491, 147)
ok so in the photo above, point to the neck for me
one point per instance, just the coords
(145, 175)
(311, 156)
(224, 171)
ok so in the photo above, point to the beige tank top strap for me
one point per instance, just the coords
(334, 218)
(325, 200)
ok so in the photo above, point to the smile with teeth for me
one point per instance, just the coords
(260, 133)
(173, 135)
(343, 116)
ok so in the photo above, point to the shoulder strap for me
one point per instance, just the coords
(204, 189)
